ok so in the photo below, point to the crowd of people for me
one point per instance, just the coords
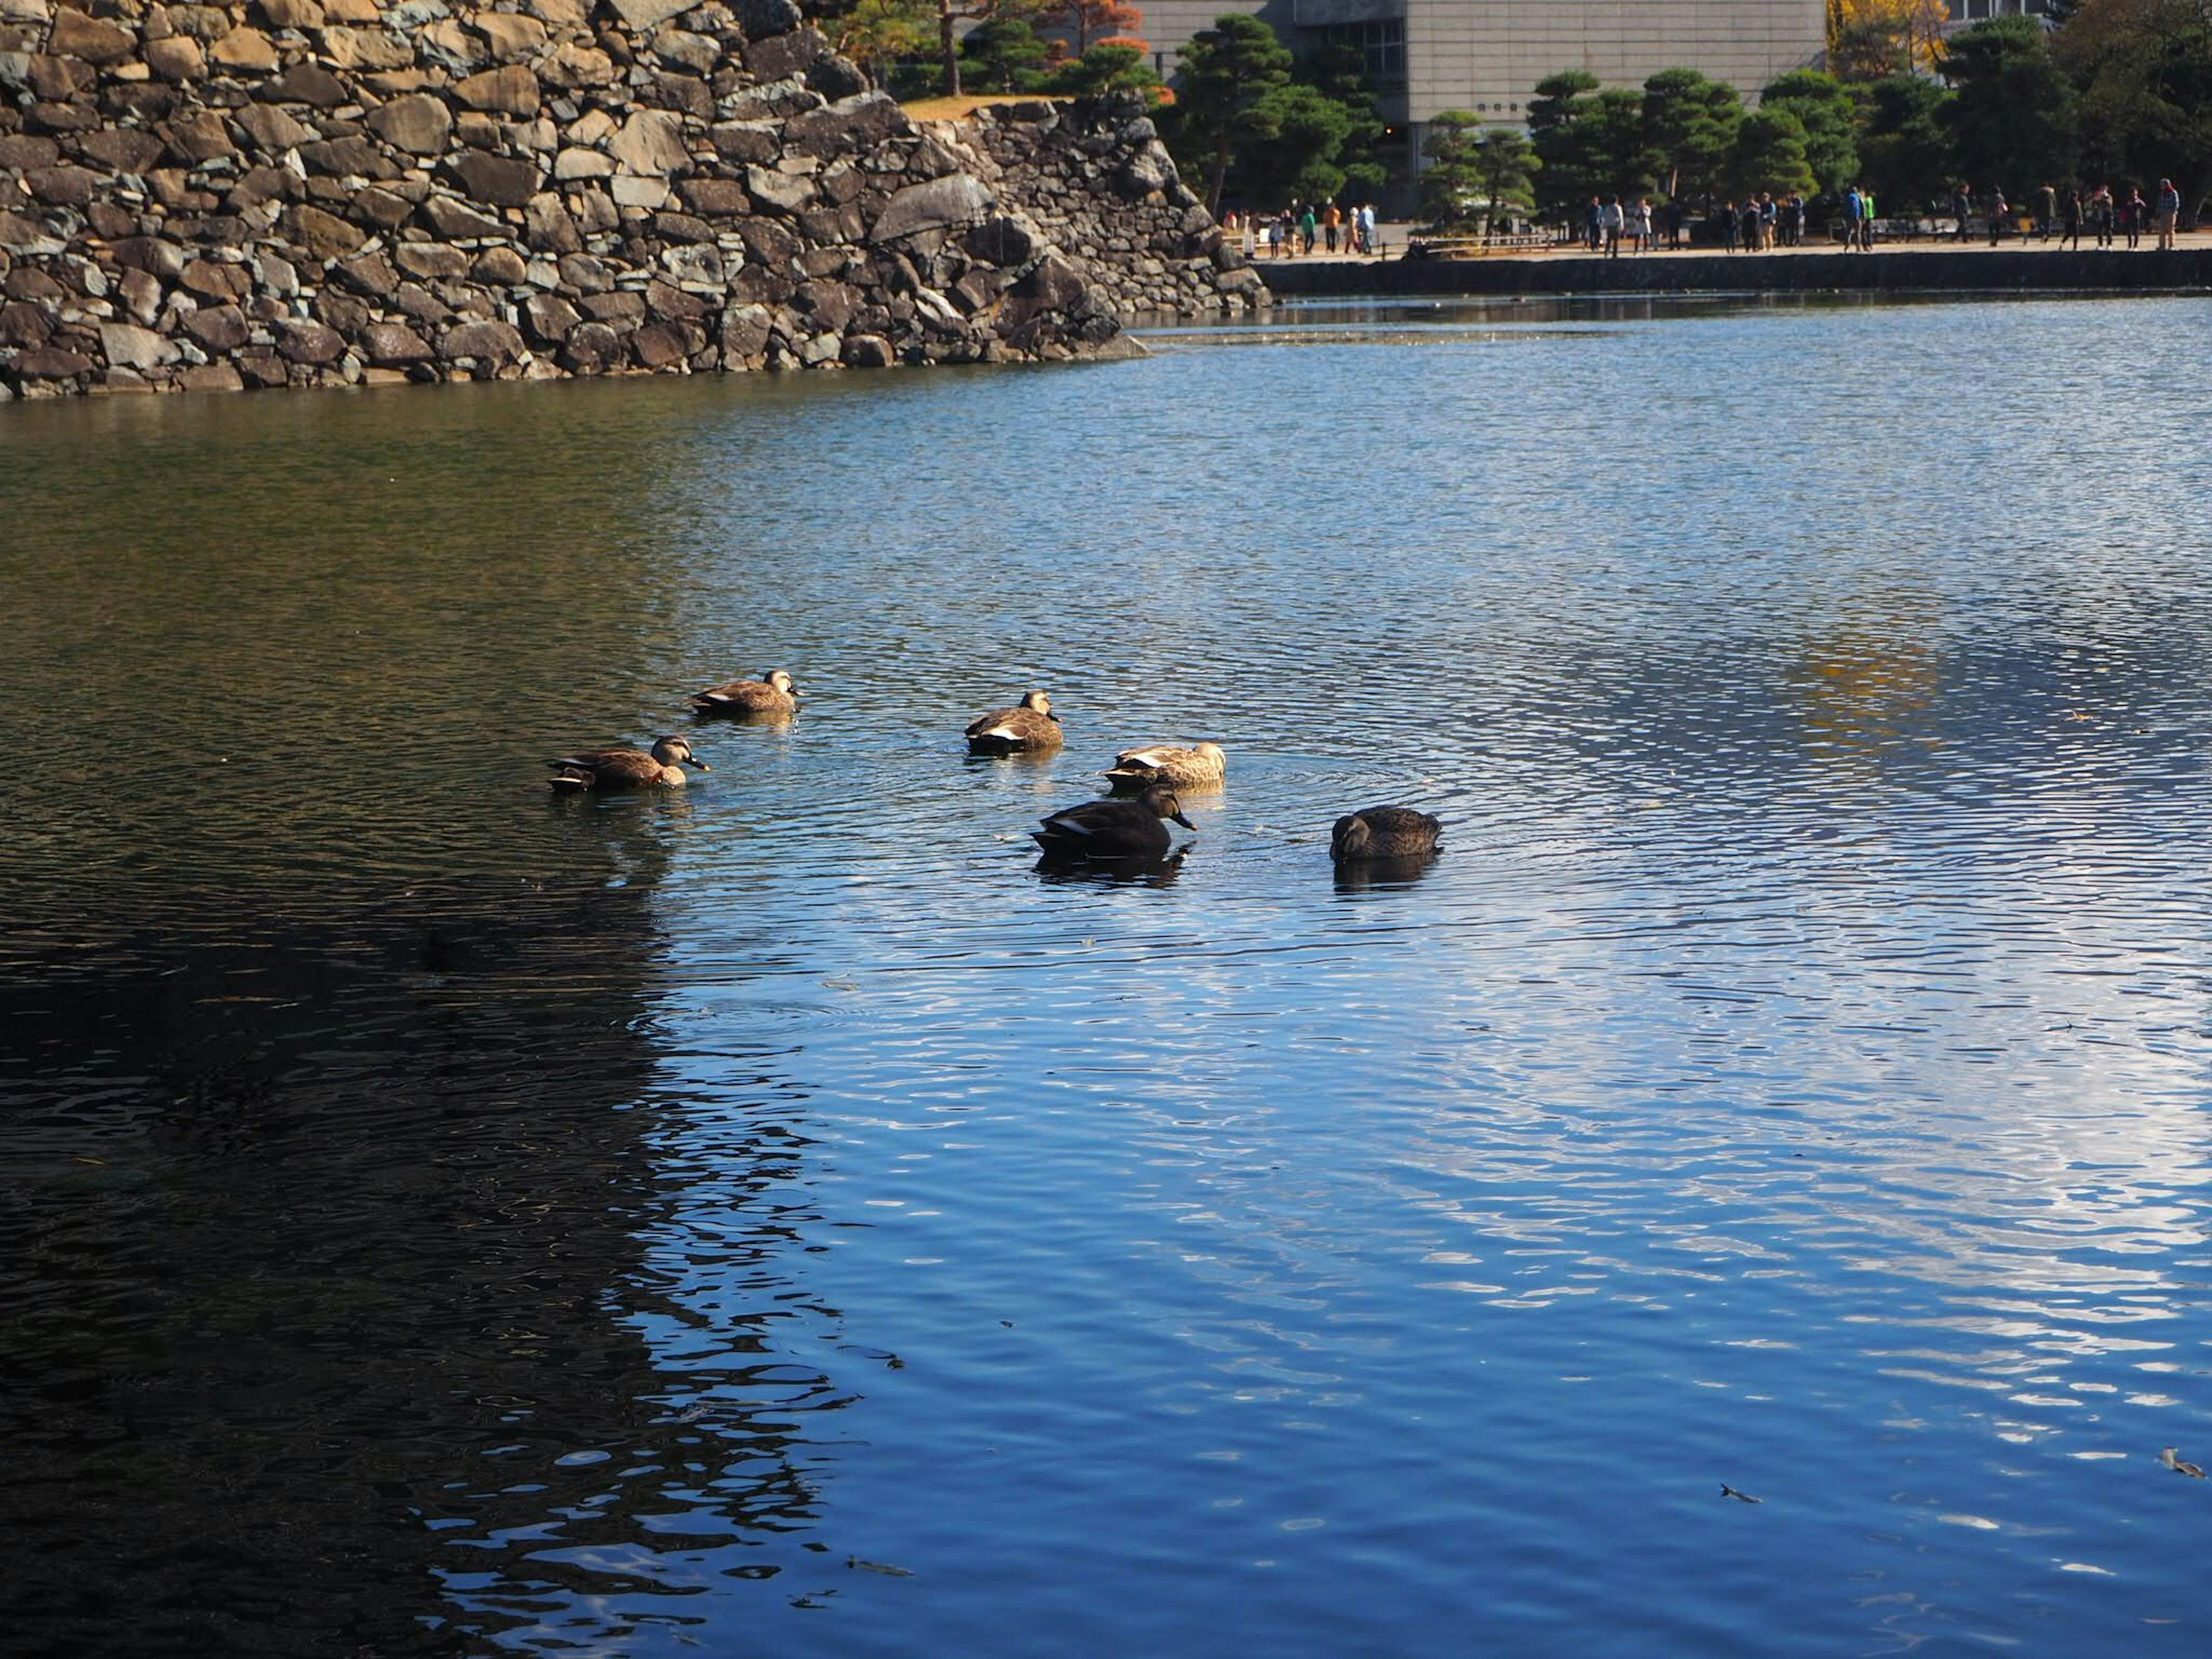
(1302, 227)
(2064, 215)
(1763, 222)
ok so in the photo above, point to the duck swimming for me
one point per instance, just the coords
(626, 768)
(772, 696)
(1383, 832)
(1112, 828)
(1199, 766)
(1029, 724)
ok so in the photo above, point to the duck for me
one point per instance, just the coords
(771, 695)
(1199, 766)
(1112, 828)
(1383, 832)
(626, 768)
(1029, 724)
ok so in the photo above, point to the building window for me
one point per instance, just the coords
(1381, 45)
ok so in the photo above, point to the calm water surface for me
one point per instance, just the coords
(774, 1220)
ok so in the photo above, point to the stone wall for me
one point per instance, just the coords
(1095, 176)
(307, 192)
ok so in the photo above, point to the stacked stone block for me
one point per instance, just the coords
(1095, 177)
(311, 192)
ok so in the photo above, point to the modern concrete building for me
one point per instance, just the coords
(1487, 56)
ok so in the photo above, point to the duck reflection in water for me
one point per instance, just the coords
(1112, 873)
(1357, 876)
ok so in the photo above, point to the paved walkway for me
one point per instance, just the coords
(1394, 238)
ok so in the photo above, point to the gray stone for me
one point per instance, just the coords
(591, 349)
(126, 345)
(868, 351)
(217, 328)
(418, 124)
(50, 363)
(394, 344)
(511, 90)
(958, 198)
(779, 193)
(642, 16)
(313, 344)
(499, 181)
(456, 220)
(76, 35)
(486, 341)
(651, 145)
(549, 318)
(760, 19)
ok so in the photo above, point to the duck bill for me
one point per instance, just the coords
(1185, 822)
(701, 764)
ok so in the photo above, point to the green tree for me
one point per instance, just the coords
(1108, 66)
(1301, 164)
(1340, 72)
(950, 14)
(1690, 123)
(1505, 165)
(1223, 110)
(1905, 141)
(2144, 68)
(1004, 55)
(1567, 141)
(877, 34)
(1628, 165)
(1448, 179)
(1825, 108)
(1770, 154)
(2014, 118)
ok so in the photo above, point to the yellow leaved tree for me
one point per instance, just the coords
(1869, 39)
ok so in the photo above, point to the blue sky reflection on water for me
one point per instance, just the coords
(1792, 1075)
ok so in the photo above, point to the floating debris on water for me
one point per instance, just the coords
(883, 1567)
(1727, 1491)
(2172, 1457)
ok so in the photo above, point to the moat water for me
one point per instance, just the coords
(774, 1220)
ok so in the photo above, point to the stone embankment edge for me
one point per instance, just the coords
(1922, 270)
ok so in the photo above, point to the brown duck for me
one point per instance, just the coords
(626, 768)
(1199, 767)
(772, 696)
(1383, 832)
(1029, 724)
(1112, 828)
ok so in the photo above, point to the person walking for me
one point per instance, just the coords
(1642, 224)
(2046, 212)
(1367, 228)
(1997, 211)
(1752, 225)
(1330, 222)
(2132, 215)
(1797, 218)
(1307, 226)
(2169, 214)
(1866, 221)
(1768, 218)
(1851, 219)
(1613, 218)
(2101, 215)
(1728, 226)
(2070, 217)
(1594, 224)
(1962, 209)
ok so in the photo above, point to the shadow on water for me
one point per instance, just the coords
(1383, 875)
(328, 1056)
(1111, 872)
